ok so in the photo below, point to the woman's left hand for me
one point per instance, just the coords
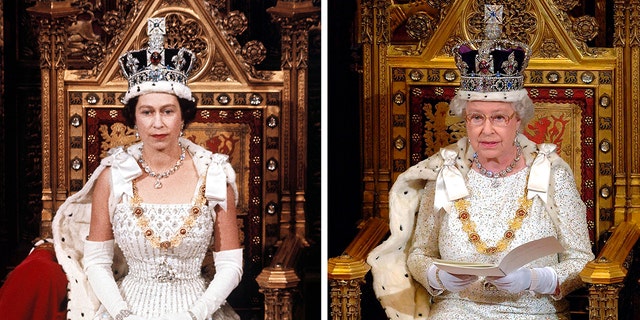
(514, 282)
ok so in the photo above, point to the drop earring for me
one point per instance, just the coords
(181, 130)
(137, 134)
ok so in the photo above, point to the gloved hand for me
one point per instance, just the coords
(544, 280)
(228, 274)
(442, 280)
(97, 260)
(540, 280)
(514, 282)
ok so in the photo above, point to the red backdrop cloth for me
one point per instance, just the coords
(36, 289)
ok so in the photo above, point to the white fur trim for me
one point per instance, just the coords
(508, 96)
(179, 89)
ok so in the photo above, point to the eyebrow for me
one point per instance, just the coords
(162, 106)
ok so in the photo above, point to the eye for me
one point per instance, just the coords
(499, 117)
(475, 117)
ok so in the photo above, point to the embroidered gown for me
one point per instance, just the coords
(440, 235)
(163, 281)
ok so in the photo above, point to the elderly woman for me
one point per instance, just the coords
(478, 199)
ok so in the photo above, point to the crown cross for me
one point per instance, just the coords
(493, 21)
(156, 29)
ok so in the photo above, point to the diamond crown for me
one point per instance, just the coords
(155, 64)
(492, 64)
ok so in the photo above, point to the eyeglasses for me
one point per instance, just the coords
(497, 120)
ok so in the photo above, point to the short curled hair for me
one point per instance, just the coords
(523, 106)
(187, 108)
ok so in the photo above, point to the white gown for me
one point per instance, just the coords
(144, 268)
(164, 281)
(491, 207)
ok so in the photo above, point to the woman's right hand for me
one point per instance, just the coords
(442, 280)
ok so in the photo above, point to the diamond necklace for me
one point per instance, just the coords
(165, 174)
(500, 174)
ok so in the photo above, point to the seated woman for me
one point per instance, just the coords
(478, 199)
(150, 211)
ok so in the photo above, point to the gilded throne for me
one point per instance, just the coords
(257, 117)
(584, 97)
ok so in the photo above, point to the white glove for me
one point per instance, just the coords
(97, 261)
(544, 280)
(228, 274)
(441, 280)
(540, 280)
(514, 282)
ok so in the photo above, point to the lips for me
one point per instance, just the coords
(159, 136)
(487, 144)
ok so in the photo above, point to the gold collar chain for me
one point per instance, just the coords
(187, 223)
(515, 223)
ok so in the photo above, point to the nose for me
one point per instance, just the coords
(487, 126)
(157, 120)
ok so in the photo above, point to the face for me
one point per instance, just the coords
(159, 120)
(492, 140)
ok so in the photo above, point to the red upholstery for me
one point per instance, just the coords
(36, 289)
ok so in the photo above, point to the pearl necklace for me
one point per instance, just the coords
(165, 174)
(500, 174)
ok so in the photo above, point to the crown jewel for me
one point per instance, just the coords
(492, 64)
(157, 69)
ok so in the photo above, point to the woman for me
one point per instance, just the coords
(497, 183)
(158, 204)
(478, 199)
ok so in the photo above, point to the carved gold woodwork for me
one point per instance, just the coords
(295, 19)
(53, 19)
(608, 267)
(603, 301)
(604, 275)
(406, 47)
(345, 299)
(278, 304)
(259, 117)
(279, 281)
(346, 273)
(591, 94)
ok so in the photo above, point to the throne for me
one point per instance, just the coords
(581, 105)
(257, 117)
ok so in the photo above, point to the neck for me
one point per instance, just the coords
(161, 159)
(499, 168)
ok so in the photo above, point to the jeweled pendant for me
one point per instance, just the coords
(495, 183)
(158, 184)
